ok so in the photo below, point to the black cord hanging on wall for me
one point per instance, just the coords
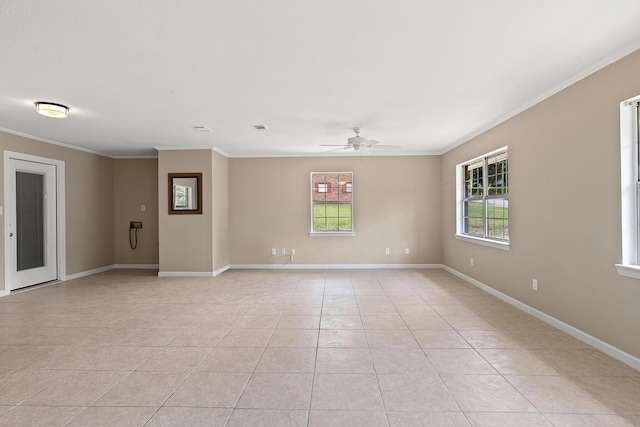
(134, 226)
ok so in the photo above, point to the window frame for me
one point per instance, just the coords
(461, 199)
(340, 189)
(630, 187)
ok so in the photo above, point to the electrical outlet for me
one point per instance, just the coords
(387, 251)
(143, 208)
(135, 224)
(293, 251)
(471, 262)
(534, 284)
(406, 251)
(273, 251)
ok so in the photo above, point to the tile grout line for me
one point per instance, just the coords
(375, 371)
(315, 362)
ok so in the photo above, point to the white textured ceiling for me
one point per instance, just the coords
(425, 75)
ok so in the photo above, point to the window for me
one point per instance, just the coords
(181, 197)
(483, 198)
(331, 203)
(630, 187)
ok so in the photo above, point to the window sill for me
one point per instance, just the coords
(505, 246)
(332, 234)
(629, 270)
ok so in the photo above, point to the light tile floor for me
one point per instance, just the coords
(296, 348)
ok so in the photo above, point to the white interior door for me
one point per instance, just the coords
(31, 226)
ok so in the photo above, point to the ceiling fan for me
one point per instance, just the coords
(357, 142)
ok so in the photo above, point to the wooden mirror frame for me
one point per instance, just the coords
(176, 179)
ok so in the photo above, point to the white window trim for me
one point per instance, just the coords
(350, 233)
(485, 242)
(629, 266)
(460, 182)
(332, 233)
(632, 271)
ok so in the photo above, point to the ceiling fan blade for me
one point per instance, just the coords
(334, 145)
(337, 149)
(371, 142)
(383, 146)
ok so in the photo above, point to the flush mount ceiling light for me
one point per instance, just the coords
(49, 109)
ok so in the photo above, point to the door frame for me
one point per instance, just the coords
(61, 257)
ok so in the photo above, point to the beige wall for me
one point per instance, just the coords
(136, 184)
(185, 241)
(220, 208)
(89, 202)
(396, 206)
(564, 171)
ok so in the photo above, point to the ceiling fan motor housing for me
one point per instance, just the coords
(356, 140)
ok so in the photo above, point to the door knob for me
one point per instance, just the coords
(10, 234)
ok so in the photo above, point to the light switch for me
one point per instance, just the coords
(143, 208)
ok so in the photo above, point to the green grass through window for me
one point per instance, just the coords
(332, 217)
(497, 219)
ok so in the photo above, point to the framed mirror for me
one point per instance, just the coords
(185, 193)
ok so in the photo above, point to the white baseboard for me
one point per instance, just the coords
(244, 267)
(107, 268)
(88, 272)
(193, 273)
(4, 293)
(138, 266)
(612, 351)
(185, 273)
(221, 270)
(329, 266)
